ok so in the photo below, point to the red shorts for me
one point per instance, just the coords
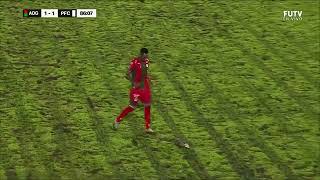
(142, 95)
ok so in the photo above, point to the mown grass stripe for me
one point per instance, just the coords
(7, 139)
(237, 164)
(241, 167)
(257, 62)
(213, 94)
(10, 151)
(147, 148)
(258, 140)
(182, 122)
(308, 23)
(268, 45)
(103, 136)
(275, 158)
(304, 105)
(27, 138)
(29, 129)
(59, 124)
(154, 162)
(231, 60)
(269, 73)
(252, 135)
(138, 132)
(273, 112)
(190, 155)
(26, 129)
(194, 162)
(142, 141)
(281, 164)
(9, 144)
(75, 73)
(204, 79)
(288, 30)
(52, 96)
(78, 74)
(270, 110)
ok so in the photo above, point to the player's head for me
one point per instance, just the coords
(144, 53)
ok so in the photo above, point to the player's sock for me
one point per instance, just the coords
(124, 112)
(147, 116)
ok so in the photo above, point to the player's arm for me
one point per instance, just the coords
(147, 67)
(129, 74)
(147, 63)
(151, 79)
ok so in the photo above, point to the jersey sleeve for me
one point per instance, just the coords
(131, 71)
(131, 66)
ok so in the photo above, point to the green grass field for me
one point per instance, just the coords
(233, 80)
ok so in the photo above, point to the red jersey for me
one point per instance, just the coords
(139, 72)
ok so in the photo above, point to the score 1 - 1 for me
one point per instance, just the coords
(49, 13)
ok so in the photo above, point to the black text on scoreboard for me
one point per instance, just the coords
(55, 13)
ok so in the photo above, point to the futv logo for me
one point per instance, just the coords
(292, 15)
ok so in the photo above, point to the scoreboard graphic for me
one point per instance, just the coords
(55, 13)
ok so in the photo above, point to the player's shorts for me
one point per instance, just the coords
(138, 94)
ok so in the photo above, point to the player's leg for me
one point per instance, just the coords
(147, 114)
(146, 98)
(134, 98)
(125, 112)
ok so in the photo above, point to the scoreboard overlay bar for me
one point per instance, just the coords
(56, 13)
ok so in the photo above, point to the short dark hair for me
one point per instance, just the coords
(144, 51)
